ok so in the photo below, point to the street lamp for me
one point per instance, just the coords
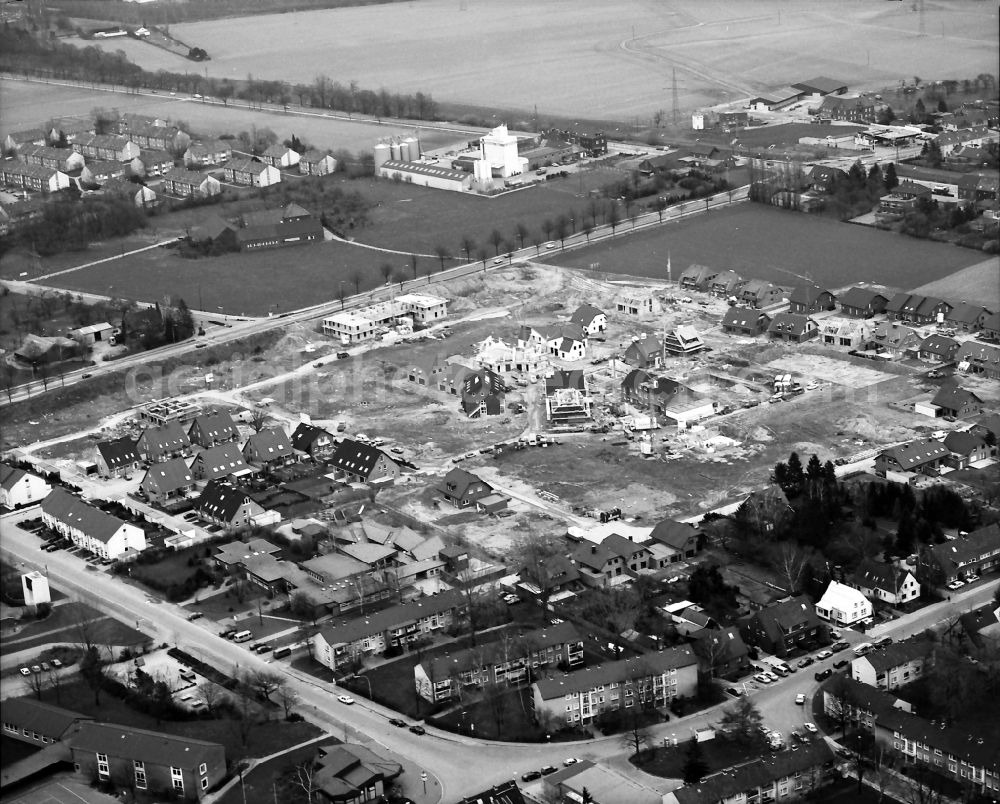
(423, 778)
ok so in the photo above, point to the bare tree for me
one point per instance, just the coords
(287, 697)
(259, 419)
(636, 738)
(521, 232)
(246, 720)
(213, 695)
(356, 277)
(441, 252)
(386, 270)
(264, 682)
(55, 682)
(790, 561)
(468, 245)
(37, 683)
(305, 777)
(496, 238)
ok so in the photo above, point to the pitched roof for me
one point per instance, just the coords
(503, 793)
(964, 443)
(965, 313)
(168, 476)
(744, 317)
(46, 719)
(619, 671)
(72, 511)
(566, 379)
(859, 297)
(10, 476)
(312, 156)
(793, 323)
(357, 458)
(221, 460)
(457, 482)
(368, 552)
(222, 500)
(917, 453)
(782, 617)
(821, 83)
(967, 548)
(760, 772)
(978, 352)
(889, 656)
(954, 397)
(269, 443)
(392, 617)
(650, 345)
(939, 345)
(166, 437)
(183, 176)
(218, 425)
(246, 166)
(146, 746)
(674, 534)
(118, 452)
(443, 666)
(879, 575)
(806, 294)
(305, 435)
(953, 740)
(584, 314)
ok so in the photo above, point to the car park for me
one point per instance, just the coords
(345, 699)
(824, 654)
(823, 674)
(809, 727)
(418, 729)
(800, 699)
(399, 724)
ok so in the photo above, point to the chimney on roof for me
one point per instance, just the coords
(593, 549)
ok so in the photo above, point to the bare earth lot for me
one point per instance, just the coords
(781, 247)
(614, 58)
(26, 105)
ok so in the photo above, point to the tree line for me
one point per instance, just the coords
(23, 53)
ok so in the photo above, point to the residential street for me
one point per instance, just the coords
(447, 758)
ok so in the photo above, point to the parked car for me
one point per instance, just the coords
(823, 674)
(56, 663)
(971, 577)
(839, 646)
(841, 664)
(806, 662)
(762, 678)
(549, 769)
(36, 668)
(824, 654)
(343, 355)
(195, 615)
(399, 724)
(800, 699)
(345, 699)
(956, 585)
(809, 727)
(734, 691)
(570, 761)
(418, 729)
(24, 671)
(531, 776)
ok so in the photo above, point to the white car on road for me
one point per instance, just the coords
(811, 728)
(824, 654)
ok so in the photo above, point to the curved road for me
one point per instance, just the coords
(456, 763)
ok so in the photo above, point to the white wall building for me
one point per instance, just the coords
(499, 148)
(35, 587)
(439, 178)
(19, 488)
(364, 323)
(843, 605)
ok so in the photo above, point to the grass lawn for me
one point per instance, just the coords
(845, 791)
(782, 247)
(718, 754)
(480, 720)
(265, 739)
(171, 568)
(64, 616)
(104, 631)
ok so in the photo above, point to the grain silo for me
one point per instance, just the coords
(382, 154)
(412, 148)
(395, 150)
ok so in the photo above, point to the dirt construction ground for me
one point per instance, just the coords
(856, 407)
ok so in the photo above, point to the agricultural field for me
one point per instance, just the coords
(30, 104)
(614, 58)
(786, 248)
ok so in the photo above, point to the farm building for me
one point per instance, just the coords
(91, 334)
(274, 228)
(426, 175)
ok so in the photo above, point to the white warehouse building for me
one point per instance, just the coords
(439, 178)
